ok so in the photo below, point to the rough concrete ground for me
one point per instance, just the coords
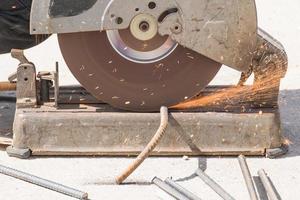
(95, 175)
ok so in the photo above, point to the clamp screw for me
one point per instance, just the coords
(177, 28)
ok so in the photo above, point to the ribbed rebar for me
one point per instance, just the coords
(149, 148)
(215, 186)
(247, 177)
(43, 182)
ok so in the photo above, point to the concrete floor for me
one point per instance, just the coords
(95, 175)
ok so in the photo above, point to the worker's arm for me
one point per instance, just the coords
(14, 26)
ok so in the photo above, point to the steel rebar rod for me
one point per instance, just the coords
(267, 185)
(215, 186)
(181, 189)
(169, 189)
(43, 182)
(247, 177)
(149, 148)
(7, 86)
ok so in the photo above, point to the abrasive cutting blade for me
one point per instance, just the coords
(135, 86)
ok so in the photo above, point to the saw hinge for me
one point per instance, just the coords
(26, 81)
(32, 88)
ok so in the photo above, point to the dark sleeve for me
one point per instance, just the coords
(14, 25)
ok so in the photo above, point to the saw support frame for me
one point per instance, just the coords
(72, 122)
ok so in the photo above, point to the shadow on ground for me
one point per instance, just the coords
(290, 119)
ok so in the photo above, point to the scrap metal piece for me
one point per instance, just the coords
(247, 177)
(215, 186)
(43, 182)
(181, 189)
(267, 185)
(130, 85)
(149, 148)
(277, 152)
(21, 153)
(168, 189)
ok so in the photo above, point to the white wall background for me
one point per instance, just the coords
(281, 18)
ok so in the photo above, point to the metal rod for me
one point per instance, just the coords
(247, 177)
(181, 189)
(149, 148)
(215, 186)
(43, 182)
(267, 185)
(7, 86)
(168, 189)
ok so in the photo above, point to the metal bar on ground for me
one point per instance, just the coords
(267, 185)
(215, 186)
(181, 189)
(43, 182)
(247, 177)
(149, 148)
(169, 189)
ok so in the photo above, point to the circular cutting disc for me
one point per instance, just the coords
(130, 85)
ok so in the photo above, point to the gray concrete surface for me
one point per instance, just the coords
(95, 175)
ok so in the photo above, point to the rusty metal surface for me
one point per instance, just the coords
(7, 86)
(132, 86)
(101, 131)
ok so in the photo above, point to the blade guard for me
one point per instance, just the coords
(222, 30)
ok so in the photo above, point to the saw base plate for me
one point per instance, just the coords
(100, 130)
